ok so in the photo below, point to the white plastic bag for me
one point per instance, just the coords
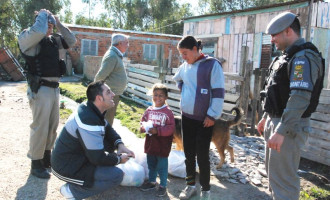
(134, 173)
(176, 164)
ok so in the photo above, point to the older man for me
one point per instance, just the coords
(113, 72)
(290, 96)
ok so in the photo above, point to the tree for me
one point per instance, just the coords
(9, 24)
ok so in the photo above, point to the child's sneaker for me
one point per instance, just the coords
(188, 192)
(205, 195)
(148, 186)
(162, 191)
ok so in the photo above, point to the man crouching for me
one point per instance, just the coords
(84, 155)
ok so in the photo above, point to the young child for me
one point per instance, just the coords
(158, 124)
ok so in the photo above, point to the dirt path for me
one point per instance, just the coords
(16, 183)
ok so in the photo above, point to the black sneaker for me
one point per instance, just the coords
(161, 191)
(148, 186)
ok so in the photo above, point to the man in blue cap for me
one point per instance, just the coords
(290, 95)
(40, 49)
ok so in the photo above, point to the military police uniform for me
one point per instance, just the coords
(43, 73)
(290, 96)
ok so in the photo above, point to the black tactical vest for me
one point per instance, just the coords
(277, 88)
(46, 63)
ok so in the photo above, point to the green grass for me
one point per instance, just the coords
(314, 193)
(75, 91)
(65, 113)
(128, 112)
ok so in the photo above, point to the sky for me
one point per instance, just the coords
(77, 7)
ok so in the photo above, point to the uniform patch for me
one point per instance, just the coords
(300, 78)
(298, 73)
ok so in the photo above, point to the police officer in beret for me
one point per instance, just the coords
(290, 95)
(40, 49)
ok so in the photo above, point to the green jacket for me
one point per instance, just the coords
(112, 71)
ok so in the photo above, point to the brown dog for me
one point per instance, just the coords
(220, 135)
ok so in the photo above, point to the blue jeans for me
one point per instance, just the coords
(157, 164)
(104, 178)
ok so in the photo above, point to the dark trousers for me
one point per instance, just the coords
(196, 142)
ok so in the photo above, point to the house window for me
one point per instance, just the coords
(89, 47)
(149, 51)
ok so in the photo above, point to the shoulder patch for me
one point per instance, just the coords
(300, 77)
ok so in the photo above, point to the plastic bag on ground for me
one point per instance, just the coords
(176, 164)
(134, 173)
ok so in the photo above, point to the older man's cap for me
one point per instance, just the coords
(280, 23)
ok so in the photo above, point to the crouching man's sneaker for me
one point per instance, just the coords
(205, 195)
(188, 192)
(66, 192)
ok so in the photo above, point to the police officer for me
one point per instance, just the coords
(39, 47)
(291, 94)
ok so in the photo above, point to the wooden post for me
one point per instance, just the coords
(162, 63)
(255, 100)
(245, 86)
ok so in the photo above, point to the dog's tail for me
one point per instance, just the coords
(239, 114)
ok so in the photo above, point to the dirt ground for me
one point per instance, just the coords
(16, 182)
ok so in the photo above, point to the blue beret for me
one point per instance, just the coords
(280, 23)
(51, 19)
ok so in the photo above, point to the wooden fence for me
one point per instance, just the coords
(318, 144)
(141, 78)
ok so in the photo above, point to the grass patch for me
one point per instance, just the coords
(128, 112)
(65, 113)
(314, 193)
(75, 91)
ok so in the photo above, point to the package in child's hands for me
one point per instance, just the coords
(176, 164)
(147, 125)
(134, 173)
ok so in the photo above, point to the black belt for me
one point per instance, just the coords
(49, 84)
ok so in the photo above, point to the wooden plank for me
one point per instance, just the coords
(324, 100)
(257, 48)
(225, 52)
(139, 94)
(169, 78)
(231, 52)
(231, 97)
(228, 106)
(323, 17)
(142, 66)
(144, 72)
(320, 125)
(173, 103)
(323, 108)
(317, 150)
(140, 82)
(318, 142)
(325, 93)
(139, 101)
(233, 76)
(137, 87)
(321, 134)
(235, 53)
(174, 96)
(314, 157)
(171, 86)
(321, 116)
(143, 77)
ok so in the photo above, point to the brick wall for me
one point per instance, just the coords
(135, 50)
